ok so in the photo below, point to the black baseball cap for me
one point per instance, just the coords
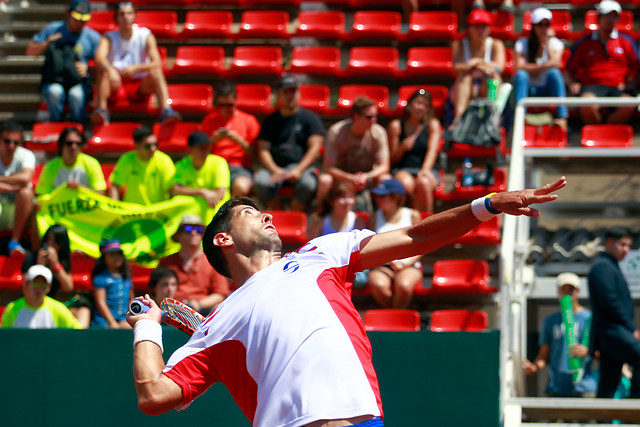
(287, 82)
(197, 138)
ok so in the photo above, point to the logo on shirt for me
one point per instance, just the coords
(291, 267)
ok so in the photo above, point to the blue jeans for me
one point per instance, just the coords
(55, 97)
(554, 86)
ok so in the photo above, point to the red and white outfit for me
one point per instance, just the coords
(288, 344)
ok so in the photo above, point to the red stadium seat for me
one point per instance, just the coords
(36, 175)
(503, 25)
(316, 60)
(458, 320)
(172, 138)
(545, 136)
(461, 192)
(429, 61)
(509, 62)
(261, 24)
(140, 277)
(560, 23)
(392, 320)
(102, 21)
(460, 276)
(321, 24)
(257, 60)
(315, 98)
(162, 23)
(191, 60)
(115, 137)
(625, 23)
(348, 93)
(457, 150)
(368, 24)
(607, 136)
(373, 61)
(81, 267)
(425, 25)
(486, 233)
(439, 95)
(291, 226)
(191, 98)
(10, 271)
(254, 3)
(207, 24)
(254, 98)
(44, 136)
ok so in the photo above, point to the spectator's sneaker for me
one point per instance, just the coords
(15, 246)
(168, 115)
(100, 117)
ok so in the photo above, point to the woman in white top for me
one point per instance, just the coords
(538, 61)
(476, 59)
(392, 284)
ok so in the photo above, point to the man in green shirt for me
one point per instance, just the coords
(35, 310)
(144, 174)
(203, 176)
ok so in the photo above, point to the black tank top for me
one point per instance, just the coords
(415, 157)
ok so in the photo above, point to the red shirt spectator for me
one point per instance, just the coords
(244, 124)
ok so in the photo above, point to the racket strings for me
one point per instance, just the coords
(182, 314)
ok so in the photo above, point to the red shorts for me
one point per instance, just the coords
(129, 90)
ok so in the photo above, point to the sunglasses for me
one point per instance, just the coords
(71, 143)
(189, 228)
(150, 145)
(12, 141)
(225, 105)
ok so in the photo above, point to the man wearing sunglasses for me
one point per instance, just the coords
(16, 193)
(199, 285)
(356, 151)
(143, 174)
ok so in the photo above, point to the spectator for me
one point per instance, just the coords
(35, 310)
(203, 176)
(337, 212)
(476, 58)
(71, 166)
(112, 287)
(68, 46)
(289, 143)
(163, 283)
(17, 165)
(613, 331)
(129, 66)
(199, 285)
(604, 63)
(538, 61)
(356, 150)
(233, 135)
(392, 284)
(413, 147)
(553, 346)
(144, 174)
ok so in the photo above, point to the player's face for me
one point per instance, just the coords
(252, 230)
(619, 248)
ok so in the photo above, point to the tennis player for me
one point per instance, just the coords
(289, 344)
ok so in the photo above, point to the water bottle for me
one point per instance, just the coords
(492, 89)
(467, 175)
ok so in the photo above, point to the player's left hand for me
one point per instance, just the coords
(518, 202)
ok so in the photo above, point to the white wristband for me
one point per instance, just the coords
(480, 210)
(148, 330)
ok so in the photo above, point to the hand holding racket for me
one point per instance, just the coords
(173, 313)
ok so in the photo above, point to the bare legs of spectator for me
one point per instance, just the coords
(395, 292)
(592, 114)
(325, 181)
(408, 7)
(24, 206)
(156, 83)
(241, 186)
(420, 188)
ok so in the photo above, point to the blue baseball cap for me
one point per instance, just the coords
(110, 245)
(390, 186)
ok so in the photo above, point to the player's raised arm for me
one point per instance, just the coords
(440, 229)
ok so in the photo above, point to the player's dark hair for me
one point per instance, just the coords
(617, 233)
(426, 95)
(141, 133)
(62, 139)
(120, 4)
(360, 103)
(160, 273)
(12, 126)
(221, 223)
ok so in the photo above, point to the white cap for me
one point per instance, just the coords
(540, 14)
(568, 279)
(607, 6)
(39, 270)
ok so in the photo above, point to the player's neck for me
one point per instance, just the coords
(246, 266)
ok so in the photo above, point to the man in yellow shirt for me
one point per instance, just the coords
(144, 174)
(203, 176)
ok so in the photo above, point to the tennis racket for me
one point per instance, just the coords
(174, 313)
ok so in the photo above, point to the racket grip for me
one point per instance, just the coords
(138, 307)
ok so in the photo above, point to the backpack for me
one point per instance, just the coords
(479, 125)
(59, 65)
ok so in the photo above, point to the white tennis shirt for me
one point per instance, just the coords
(289, 344)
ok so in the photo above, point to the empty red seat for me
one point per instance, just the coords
(457, 150)
(317, 60)
(102, 21)
(207, 24)
(205, 60)
(373, 61)
(264, 24)
(457, 320)
(348, 93)
(461, 192)
(460, 276)
(625, 22)
(391, 320)
(115, 137)
(509, 62)
(429, 61)
(314, 98)
(162, 23)
(486, 233)
(254, 98)
(560, 23)
(81, 268)
(430, 24)
(545, 136)
(291, 226)
(257, 60)
(439, 95)
(140, 277)
(172, 138)
(191, 98)
(44, 136)
(608, 136)
(369, 24)
(503, 25)
(254, 3)
(10, 271)
(321, 24)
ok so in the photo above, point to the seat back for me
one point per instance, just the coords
(463, 273)
(191, 98)
(348, 93)
(102, 21)
(545, 136)
(314, 98)
(10, 271)
(625, 22)
(207, 24)
(321, 24)
(372, 60)
(257, 60)
(432, 25)
(254, 98)
(459, 320)
(198, 60)
(376, 24)
(162, 23)
(430, 61)
(318, 60)
(115, 137)
(391, 320)
(609, 136)
(81, 268)
(264, 24)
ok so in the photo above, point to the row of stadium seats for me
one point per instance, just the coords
(451, 320)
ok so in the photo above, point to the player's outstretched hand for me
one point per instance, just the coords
(518, 202)
(154, 313)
